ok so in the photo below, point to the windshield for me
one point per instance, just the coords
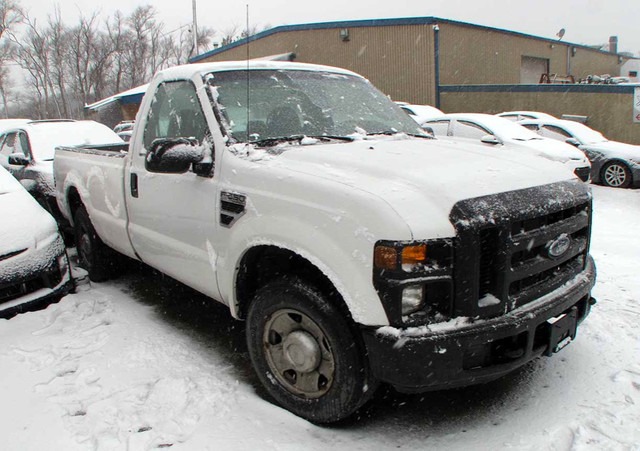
(585, 134)
(286, 103)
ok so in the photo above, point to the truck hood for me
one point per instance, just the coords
(422, 179)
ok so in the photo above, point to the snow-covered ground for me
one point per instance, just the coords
(143, 363)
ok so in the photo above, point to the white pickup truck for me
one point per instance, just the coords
(358, 249)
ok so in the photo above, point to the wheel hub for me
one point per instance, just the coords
(302, 351)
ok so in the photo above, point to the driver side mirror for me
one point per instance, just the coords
(18, 159)
(173, 155)
(490, 139)
(573, 142)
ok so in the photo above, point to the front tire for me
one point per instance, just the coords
(100, 261)
(305, 352)
(616, 175)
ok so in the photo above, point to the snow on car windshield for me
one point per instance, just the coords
(285, 103)
(44, 137)
(505, 128)
(583, 133)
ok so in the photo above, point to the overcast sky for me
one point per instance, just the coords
(586, 21)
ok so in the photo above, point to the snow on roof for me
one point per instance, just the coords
(189, 70)
(46, 136)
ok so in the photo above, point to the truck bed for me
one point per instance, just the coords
(97, 173)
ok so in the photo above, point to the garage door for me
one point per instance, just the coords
(532, 68)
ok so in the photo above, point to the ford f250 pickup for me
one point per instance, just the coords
(357, 249)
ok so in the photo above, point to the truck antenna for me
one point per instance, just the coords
(247, 106)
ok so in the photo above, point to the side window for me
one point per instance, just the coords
(532, 127)
(511, 117)
(10, 144)
(408, 111)
(465, 129)
(440, 128)
(550, 131)
(175, 113)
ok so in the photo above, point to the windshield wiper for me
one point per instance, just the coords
(281, 139)
(391, 133)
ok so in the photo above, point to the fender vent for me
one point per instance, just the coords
(232, 207)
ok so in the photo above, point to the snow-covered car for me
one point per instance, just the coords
(524, 115)
(613, 163)
(34, 269)
(420, 113)
(27, 150)
(357, 248)
(503, 134)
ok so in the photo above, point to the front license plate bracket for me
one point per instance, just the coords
(562, 330)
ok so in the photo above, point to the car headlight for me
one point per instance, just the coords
(415, 280)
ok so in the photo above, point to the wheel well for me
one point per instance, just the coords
(262, 264)
(75, 202)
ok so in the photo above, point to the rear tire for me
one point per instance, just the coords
(305, 352)
(97, 258)
(616, 175)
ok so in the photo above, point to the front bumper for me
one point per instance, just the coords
(422, 359)
(34, 278)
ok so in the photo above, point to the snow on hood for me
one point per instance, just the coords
(615, 149)
(422, 179)
(24, 221)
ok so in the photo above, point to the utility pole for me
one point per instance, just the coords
(195, 30)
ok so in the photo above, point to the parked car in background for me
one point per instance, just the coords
(613, 163)
(420, 113)
(26, 151)
(34, 269)
(524, 115)
(501, 133)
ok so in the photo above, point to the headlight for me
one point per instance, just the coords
(415, 280)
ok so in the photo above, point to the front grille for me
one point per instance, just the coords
(583, 173)
(16, 289)
(504, 258)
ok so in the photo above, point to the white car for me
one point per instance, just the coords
(34, 269)
(26, 151)
(524, 115)
(613, 163)
(420, 113)
(500, 133)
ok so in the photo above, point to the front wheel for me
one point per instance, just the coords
(305, 352)
(616, 175)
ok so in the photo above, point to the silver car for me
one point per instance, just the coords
(613, 163)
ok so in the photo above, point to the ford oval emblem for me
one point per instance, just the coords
(558, 247)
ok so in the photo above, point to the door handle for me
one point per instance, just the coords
(134, 184)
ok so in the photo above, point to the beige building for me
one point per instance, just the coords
(405, 57)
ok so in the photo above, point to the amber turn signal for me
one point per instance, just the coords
(412, 255)
(385, 257)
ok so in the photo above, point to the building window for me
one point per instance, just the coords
(633, 73)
